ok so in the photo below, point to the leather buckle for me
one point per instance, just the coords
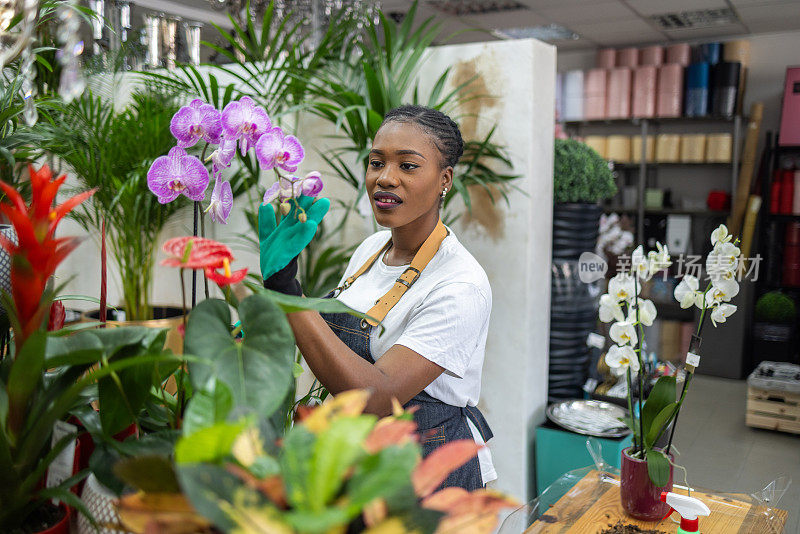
(408, 284)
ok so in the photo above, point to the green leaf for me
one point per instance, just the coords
(317, 521)
(659, 423)
(382, 475)
(25, 374)
(295, 460)
(335, 451)
(210, 486)
(207, 408)
(150, 473)
(662, 395)
(657, 468)
(257, 369)
(298, 370)
(208, 444)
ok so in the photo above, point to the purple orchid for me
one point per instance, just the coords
(312, 184)
(221, 201)
(292, 186)
(221, 157)
(175, 174)
(196, 121)
(274, 149)
(244, 121)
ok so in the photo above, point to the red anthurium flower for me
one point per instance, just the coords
(194, 252)
(227, 277)
(35, 258)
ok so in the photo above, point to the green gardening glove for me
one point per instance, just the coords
(280, 245)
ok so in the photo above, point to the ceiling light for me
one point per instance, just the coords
(701, 18)
(473, 7)
(549, 32)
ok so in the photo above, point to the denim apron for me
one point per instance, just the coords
(437, 422)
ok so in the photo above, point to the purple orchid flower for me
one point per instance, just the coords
(292, 186)
(221, 157)
(245, 122)
(175, 174)
(312, 184)
(196, 121)
(221, 201)
(273, 149)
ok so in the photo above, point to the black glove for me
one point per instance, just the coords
(285, 280)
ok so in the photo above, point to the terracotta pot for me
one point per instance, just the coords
(62, 527)
(166, 317)
(641, 498)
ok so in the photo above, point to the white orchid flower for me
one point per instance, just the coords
(610, 309)
(686, 293)
(722, 290)
(658, 259)
(720, 235)
(622, 287)
(623, 333)
(647, 313)
(723, 261)
(619, 359)
(640, 266)
(721, 313)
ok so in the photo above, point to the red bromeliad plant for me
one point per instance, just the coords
(38, 253)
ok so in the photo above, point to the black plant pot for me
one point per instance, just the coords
(773, 342)
(575, 228)
(5, 265)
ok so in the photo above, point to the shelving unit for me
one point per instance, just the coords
(650, 126)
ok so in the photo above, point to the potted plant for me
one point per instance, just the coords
(647, 470)
(581, 179)
(774, 327)
(45, 374)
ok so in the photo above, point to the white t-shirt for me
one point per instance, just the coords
(444, 317)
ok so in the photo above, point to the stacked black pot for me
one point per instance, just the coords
(573, 303)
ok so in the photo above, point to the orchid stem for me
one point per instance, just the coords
(196, 210)
(630, 406)
(203, 234)
(641, 364)
(179, 392)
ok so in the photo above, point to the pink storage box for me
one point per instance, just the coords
(651, 55)
(594, 94)
(606, 58)
(643, 101)
(628, 57)
(618, 94)
(670, 90)
(790, 115)
(679, 53)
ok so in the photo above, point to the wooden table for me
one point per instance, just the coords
(593, 504)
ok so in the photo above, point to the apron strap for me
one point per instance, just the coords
(403, 283)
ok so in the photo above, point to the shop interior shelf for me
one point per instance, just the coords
(784, 216)
(676, 164)
(653, 120)
(668, 211)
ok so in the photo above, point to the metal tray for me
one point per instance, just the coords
(589, 417)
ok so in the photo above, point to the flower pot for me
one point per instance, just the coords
(641, 498)
(58, 521)
(163, 317)
(8, 232)
(99, 500)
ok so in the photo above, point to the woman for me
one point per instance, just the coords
(432, 297)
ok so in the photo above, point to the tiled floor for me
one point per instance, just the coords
(720, 452)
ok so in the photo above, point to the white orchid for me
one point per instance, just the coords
(659, 259)
(723, 261)
(647, 313)
(720, 313)
(623, 333)
(720, 235)
(687, 291)
(722, 290)
(619, 359)
(610, 309)
(640, 266)
(622, 287)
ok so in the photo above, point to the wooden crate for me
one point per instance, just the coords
(772, 409)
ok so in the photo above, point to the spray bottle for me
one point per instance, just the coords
(688, 507)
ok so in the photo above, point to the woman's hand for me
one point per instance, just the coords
(280, 244)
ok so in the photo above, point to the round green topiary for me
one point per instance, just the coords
(580, 174)
(775, 307)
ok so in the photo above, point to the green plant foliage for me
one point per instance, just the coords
(580, 174)
(776, 307)
(264, 357)
(658, 467)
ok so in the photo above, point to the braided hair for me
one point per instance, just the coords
(445, 133)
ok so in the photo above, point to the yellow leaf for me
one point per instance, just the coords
(374, 512)
(345, 404)
(248, 447)
(170, 513)
(390, 526)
